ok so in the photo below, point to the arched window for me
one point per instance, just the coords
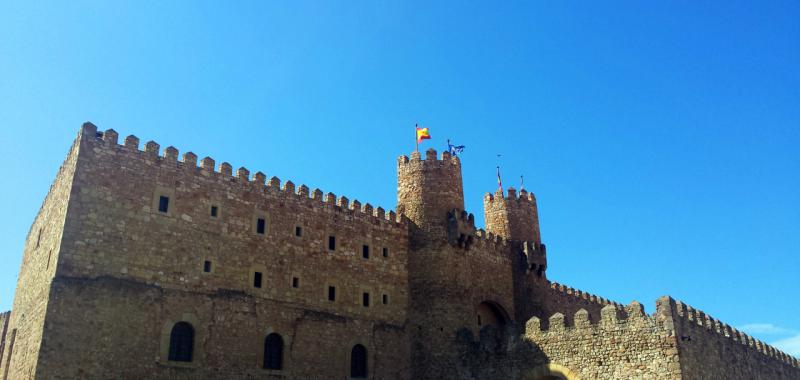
(273, 352)
(181, 342)
(358, 362)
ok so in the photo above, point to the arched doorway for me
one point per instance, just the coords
(549, 371)
(490, 313)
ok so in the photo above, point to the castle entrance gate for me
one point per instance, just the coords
(491, 313)
(549, 371)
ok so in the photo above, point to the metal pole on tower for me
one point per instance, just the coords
(416, 138)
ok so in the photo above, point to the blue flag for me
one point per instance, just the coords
(455, 150)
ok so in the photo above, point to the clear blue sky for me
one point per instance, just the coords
(660, 139)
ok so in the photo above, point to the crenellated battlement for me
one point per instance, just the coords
(257, 182)
(522, 198)
(690, 318)
(578, 294)
(535, 258)
(489, 238)
(431, 159)
(611, 317)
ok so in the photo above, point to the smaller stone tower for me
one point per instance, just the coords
(512, 217)
(516, 219)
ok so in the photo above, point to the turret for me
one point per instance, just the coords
(428, 189)
(512, 217)
(516, 219)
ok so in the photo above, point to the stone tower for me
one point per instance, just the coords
(516, 219)
(428, 189)
(443, 283)
(512, 217)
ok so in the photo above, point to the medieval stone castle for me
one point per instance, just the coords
(144, 265)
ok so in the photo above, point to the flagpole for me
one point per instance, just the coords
(416, 140)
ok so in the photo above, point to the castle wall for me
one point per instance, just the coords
(712, 349)
(636, 346)
(115, 230)
(539, 297)
(3, 332)
(41, 252)
(120, 327)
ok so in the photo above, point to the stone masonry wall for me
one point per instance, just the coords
(115, 231)
(122, 327)
(3, 332)
(636, 346)
(711, 349)
(41, 252)
(541, 298)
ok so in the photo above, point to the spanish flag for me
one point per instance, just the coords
(422, 134)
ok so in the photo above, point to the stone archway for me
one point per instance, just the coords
(491, 313)
(549, 371)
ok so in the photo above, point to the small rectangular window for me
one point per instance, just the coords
(365, 251)
(365, 299)
(207, 266)
(331, 293)
(261, 226)
(163, 203)
(385, 299)
(257, 280)
(295, 282)
(385, 252)
(214, 211)
(298, 231)
(332, 243)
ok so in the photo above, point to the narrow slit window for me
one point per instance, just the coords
(331, 293)
(261, 226)
(332, 243)
(385, 252)
(298, 231)
(365, 251)
(385, 299)
(257, 280)
(214, 211)
(295, 282)
(207, 266)
(163, 203)
(365, 299)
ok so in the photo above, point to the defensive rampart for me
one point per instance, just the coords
(623, 344)
(709, 348)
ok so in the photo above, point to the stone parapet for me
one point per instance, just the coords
(257, 182)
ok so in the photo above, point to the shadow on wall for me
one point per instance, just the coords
(501, 352)
(491, 313)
